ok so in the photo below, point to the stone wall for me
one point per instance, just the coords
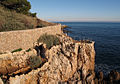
(24, 39)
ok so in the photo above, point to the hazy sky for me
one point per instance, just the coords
(77, 10)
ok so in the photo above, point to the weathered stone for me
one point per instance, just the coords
(79, 82)
(70, 61)
(15, 62)
(30, 78)
(100, 75)
(1, 82)
(96, 81)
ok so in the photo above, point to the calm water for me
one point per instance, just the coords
(107, 41)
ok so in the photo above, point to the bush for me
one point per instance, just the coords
(17, 50)
(34, 61)
(32, 14)
(28, 50)
(49, 40)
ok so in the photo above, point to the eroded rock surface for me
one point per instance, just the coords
(112, 78)
(70, 62)
(13, 63)
(1, 82)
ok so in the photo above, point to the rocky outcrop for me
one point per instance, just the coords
(64, 26)
(70, 62)
(85, 69)
(14, 63)
(1, 82)
(112, 78)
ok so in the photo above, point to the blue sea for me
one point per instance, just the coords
(107, 41)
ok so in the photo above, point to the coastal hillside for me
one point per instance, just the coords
(11, 20)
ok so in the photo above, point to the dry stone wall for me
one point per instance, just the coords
(24, 39)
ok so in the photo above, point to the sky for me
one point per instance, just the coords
(77, 10)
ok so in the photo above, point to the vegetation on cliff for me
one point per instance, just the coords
(20, 6)
(10, 20)
(15, 15)
(49, 40)
(34, 61)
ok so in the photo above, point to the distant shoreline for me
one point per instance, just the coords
(83, 22)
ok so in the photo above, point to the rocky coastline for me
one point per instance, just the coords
(70, 62)
(66, 62)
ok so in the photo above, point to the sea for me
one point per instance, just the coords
(107, 42)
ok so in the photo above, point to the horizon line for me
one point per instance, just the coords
(84, 21)
(90, 20)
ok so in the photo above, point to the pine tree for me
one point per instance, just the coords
(21, 6)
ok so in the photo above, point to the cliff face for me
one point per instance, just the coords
(70, 62)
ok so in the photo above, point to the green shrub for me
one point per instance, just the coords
(28, 50)
(34, 61)
(32, 14)
(17, 50)
(49, 40)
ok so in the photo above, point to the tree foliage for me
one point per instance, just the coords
(21, 6)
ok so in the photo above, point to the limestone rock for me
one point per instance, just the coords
(30, 78)
(70, 62)
(1, 82)
(12, 62)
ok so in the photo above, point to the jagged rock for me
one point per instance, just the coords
(60, 67)
(86, 58)
(15, 62)
(112, 78)
(114, 75)
(1, 82)
(70, 62)
(96, 81)
(67, 59)
(30, 78)
(100, 75)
